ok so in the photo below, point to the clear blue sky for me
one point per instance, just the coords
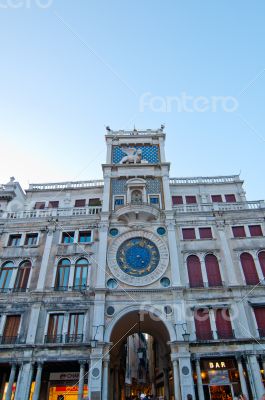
(68, 70)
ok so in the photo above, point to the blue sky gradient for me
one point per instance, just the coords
(69, 69)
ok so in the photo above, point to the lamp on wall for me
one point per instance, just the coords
(185, 334)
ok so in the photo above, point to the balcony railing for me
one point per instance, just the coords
(74, 338)
(66, 185)
(53, 338)
(204, 180)
(9, 339)
(51, 212)
(76, 288)
(211, 207)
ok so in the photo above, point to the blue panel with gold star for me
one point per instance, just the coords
(138, 256)
(149, 153)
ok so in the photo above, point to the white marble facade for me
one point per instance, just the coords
(55, 223)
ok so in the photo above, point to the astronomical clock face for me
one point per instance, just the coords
(138, 258)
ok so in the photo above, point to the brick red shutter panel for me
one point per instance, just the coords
(191, 200)
(213, 270)
(230, 198)
(80, 203)
(262, 261)
(217, 198)
(202, 324)
(177, 200)
(239, 231)
(249, 269)
(260, 318)
(205, 233)
(255, 230)
(194, 271)
(188, 233)
(223, 324)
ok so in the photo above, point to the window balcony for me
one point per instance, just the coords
(132, 212)
(74, 338)
(54, 339)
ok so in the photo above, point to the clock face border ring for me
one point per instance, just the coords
(132, 280)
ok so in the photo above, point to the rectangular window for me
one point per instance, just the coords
(202, 324)
(39, 205)
(230, 198)
(11, 329)
(154, 200)
(68, 237)
(239, 231)
(205, 233)
(255, 230)
(217, 198)
(55, 328)
(31, 239)
(14, 240)
(94, 202)
(53, 204)
(191, 200)
(118, 201)
(177, 200)
(75, 328)
(85, 237)
(80, 203)
(223, 324)
(188, 233)
(260, 318)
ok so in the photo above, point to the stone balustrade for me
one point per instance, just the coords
(205, 180)
(209, 207)
(66, 185)
(52, 212)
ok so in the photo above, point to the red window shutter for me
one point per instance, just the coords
(230, 198)
(177, 200)
(188, 233)
(194, 272)
(39, 205)
(202, 324)
(255, 230)
(249, 269)
(80, 203)
(217, 198)
(262, 261)
(213, 270)
(205, 233)
(223, 324)
(191, 200)
(239, 231)
(53, 204)
(260, 318)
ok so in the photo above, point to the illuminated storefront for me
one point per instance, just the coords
(64, 386)
(220, 379)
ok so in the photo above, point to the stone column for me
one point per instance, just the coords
(204, 272)
(81, 380)
(24, 381)
(259, 270)
(232, 279)
(173, 253)
(176, 380)
(105, 385)
(199, 379)
(11, 382)
(255, 369)
(166, 383)
(213, 323)
(37, 382)
(242, 377)
(45, 258)
(102, 253)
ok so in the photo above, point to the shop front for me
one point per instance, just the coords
(64, 386)
(220, 379)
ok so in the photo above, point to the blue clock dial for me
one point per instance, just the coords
(138, 256)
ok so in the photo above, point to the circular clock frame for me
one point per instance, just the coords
(138, 280)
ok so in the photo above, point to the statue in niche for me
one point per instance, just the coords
(136, 197)
(133, 156)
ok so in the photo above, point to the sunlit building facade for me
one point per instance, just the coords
(134, 283)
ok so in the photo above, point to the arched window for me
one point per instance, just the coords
(6, 274)
(81, 270)
(262, 261)
(62, 276)
(213, 270)
(194, 271)
(249, 269)
(23, 276)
